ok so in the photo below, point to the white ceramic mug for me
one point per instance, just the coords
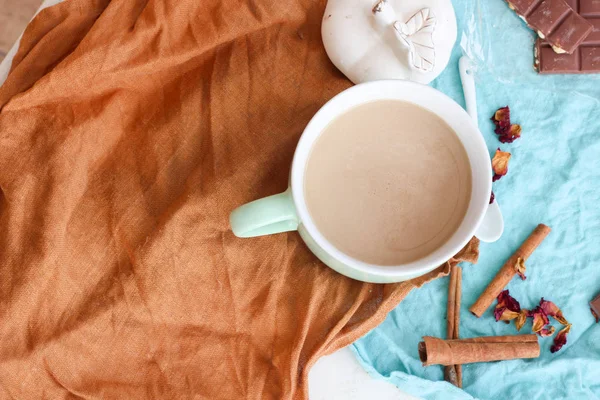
(287, 211)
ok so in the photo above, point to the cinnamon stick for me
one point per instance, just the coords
(458, 367)
(453, 373)
(433, 350)
(453, 315)
(450, 374)
(508, 270)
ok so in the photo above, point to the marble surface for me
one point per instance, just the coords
(339, 376)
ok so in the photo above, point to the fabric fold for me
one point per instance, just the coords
(129, 130)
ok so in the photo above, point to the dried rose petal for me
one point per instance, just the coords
(506, 303)
(507, 315)
(506, 300)
(596, 316)
(492, 198)
(521, 319)
(502, 116)
(514, 131)
(502, 123)
(520, 268)
(561, 339)
(547, 332)
(540, 319)
(502, 128)
(506, 138)
(500, 164)
(507, 132)
(553, 311)
(498, 313)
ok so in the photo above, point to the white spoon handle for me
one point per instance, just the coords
(468, 84)
(492, 226)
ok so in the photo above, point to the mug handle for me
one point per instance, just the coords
(273, 214)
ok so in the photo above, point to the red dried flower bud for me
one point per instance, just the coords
(561, 339)
(506, 303)
(500, 164)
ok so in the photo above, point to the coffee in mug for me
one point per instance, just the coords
(387, 182)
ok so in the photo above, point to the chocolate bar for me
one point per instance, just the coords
(586, 58)
(595, 307)
(555, 21)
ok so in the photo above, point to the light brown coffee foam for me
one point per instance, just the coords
(388, 182)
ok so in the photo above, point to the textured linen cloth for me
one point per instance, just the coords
(129, 130)
(553, 177)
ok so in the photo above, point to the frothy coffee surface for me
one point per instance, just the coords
(387, 182)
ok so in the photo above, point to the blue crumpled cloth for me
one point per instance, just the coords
(554, 178)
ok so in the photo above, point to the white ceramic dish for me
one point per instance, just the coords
(362, 44)
(288, 211)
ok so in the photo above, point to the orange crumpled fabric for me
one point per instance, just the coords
(129, 130)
